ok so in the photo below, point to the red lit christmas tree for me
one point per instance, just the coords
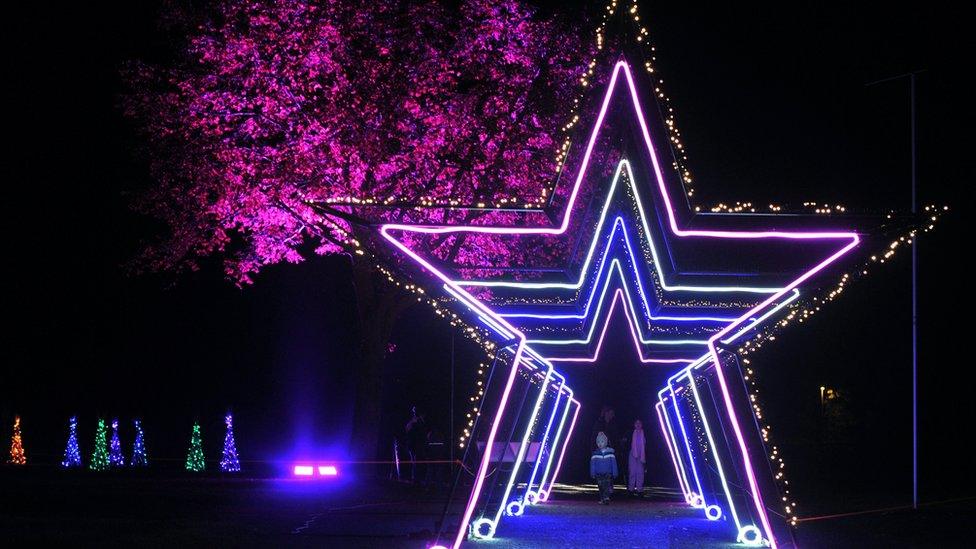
(17, 456)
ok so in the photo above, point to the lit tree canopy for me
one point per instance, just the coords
(281, 114)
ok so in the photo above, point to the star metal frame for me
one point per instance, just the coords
(520, 329)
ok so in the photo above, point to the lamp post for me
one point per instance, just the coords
(911, 76)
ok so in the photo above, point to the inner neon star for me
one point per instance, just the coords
(661, 333)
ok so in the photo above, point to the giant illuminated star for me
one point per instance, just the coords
(633, 255)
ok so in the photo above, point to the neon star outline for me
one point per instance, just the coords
(485, 312)
(564, 225)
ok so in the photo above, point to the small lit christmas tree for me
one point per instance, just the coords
(139, 457)
(115, 458)
(194, 456)
(17, 456)
(72, 455)
(229, 463)
(99, 459)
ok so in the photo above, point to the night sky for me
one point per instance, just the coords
(773, 107)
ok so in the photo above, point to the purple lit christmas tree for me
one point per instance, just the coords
(115, 458)
(229, 462)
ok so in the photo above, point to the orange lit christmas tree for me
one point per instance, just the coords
(17, 456)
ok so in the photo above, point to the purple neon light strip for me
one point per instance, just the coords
(473, 303)
(561, 388)
(676, 451)
(684, 436)
(715, 455)
(483, 468)
(556, 444)
(542, 445)
(562, 454)
(520, 457)
(669, 441)
(669, 394)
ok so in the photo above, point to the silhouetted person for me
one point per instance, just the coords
(637, 460)
(416, 434)
(607, 425)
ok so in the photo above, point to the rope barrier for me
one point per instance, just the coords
(883, 509)
(327, 461)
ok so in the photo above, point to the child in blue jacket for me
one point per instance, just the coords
(603, 467)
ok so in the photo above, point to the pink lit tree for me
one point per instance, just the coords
(282, 120)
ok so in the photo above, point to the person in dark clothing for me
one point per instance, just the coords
(637, 460)
(603, 467)
(607, 425)
(416, 435)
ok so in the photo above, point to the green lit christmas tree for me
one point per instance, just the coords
(99, 460)
(194, 456)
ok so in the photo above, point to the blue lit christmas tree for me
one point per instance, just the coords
(72, 455)
(229, 463)
(115, 458)
(139, 457)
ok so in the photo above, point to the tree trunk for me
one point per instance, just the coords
(379, 305)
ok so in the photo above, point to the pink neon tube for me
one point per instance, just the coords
(674, 460)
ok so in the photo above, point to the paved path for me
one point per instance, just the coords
(578, 521)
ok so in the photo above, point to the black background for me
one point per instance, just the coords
(772, 105)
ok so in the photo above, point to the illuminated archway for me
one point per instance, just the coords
(695, 291)
(634, 250)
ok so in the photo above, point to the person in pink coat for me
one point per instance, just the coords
(637, 461)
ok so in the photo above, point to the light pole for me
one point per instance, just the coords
(911, 76)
